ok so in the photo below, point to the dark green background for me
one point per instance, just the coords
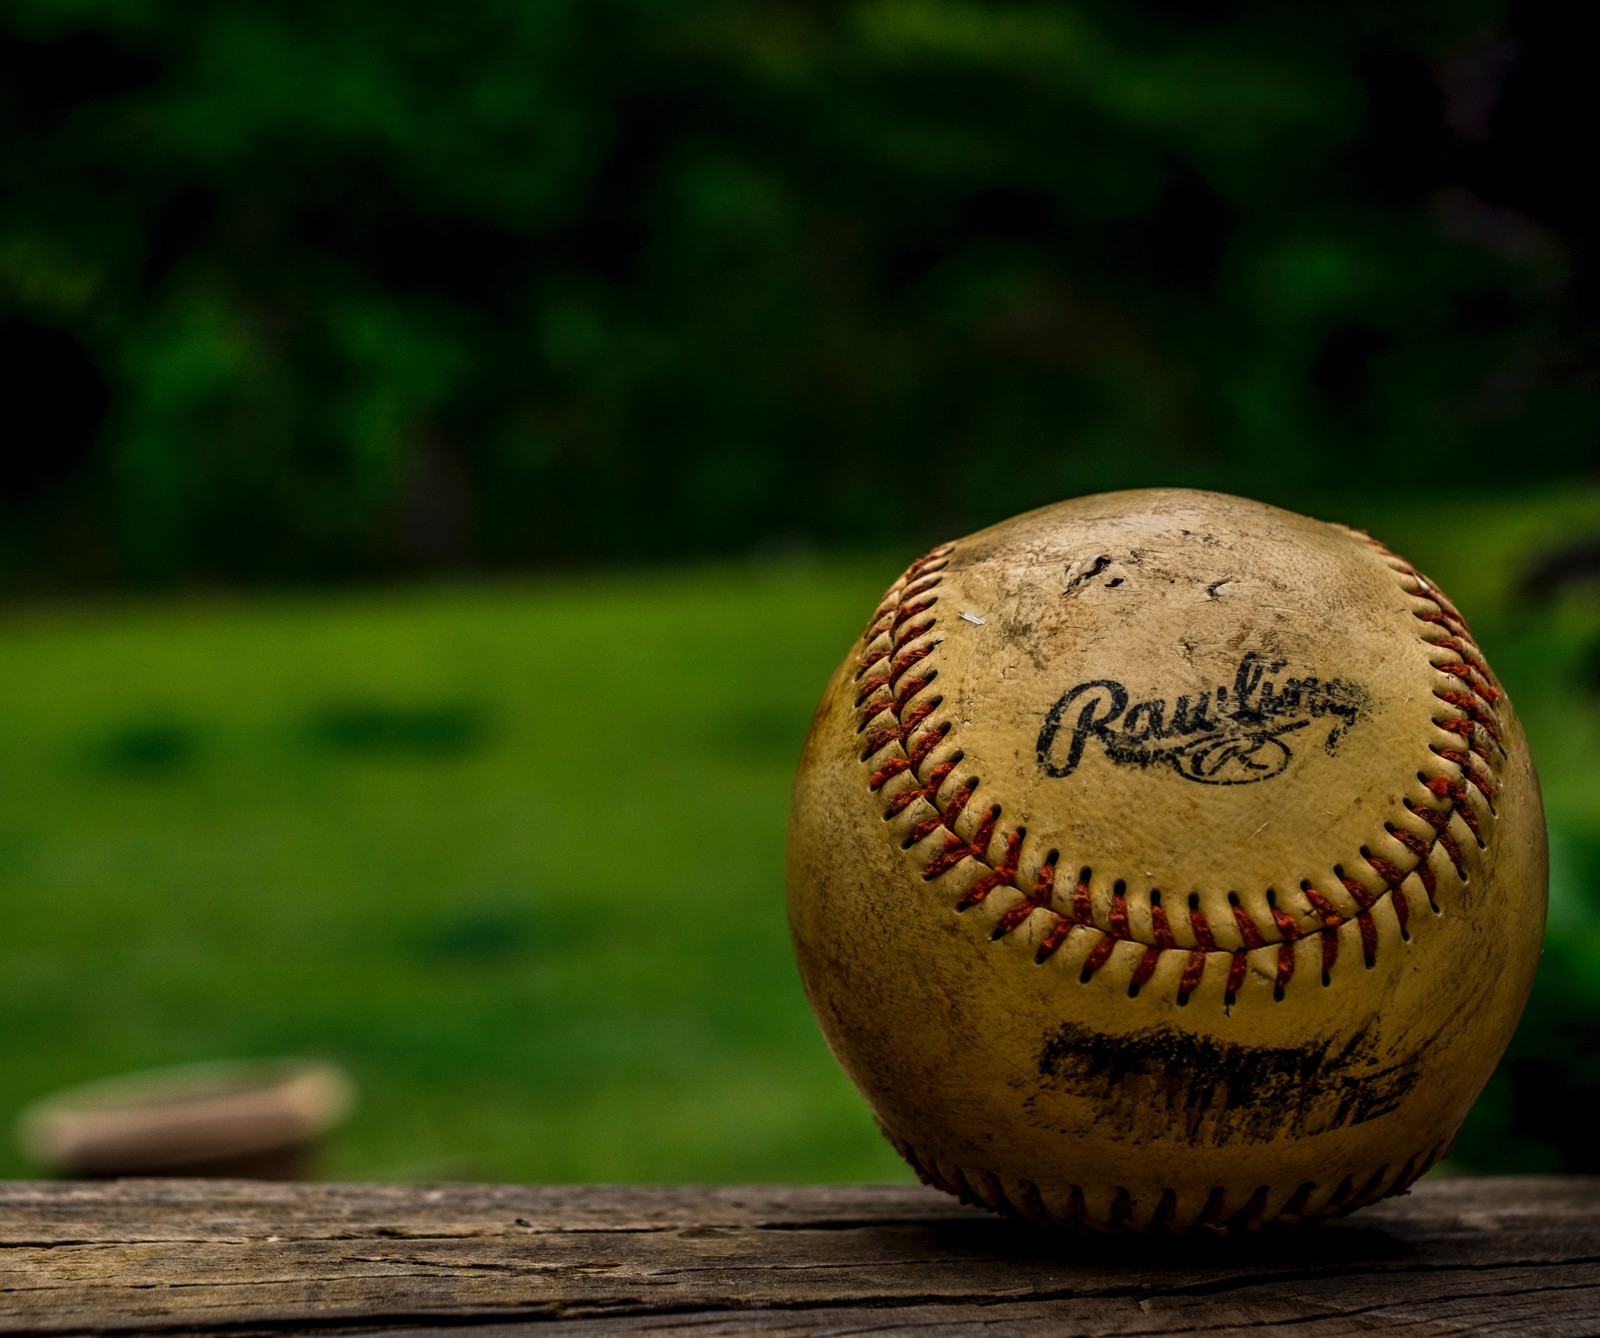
(668, 331)
(292, 291)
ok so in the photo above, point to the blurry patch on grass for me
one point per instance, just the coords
(485, 934)
(441, 731)
(150, 748)
(1589, 666)
(767, 734)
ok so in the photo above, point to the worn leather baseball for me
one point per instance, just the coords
(1163, 860)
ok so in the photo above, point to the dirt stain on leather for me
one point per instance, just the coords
(1221, 1092)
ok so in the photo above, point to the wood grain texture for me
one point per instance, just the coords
(1492, 1256)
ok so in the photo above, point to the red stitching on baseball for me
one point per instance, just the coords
(1469, 705)
(1098, 956)
(1203, 936)
(1331, 919)
(1082, 906)
(1285, 967)
(1118, 917)
(1248, 930)
(1369, 936)
(1288, 930)
(1193, 968)
(1160, 928)
(1440, 822)
(1003, 874)
(1390, 874)
(886, 689)
(1236, 969)
(1054, 937)
(888, 771)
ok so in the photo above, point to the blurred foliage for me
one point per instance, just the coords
(291, 291)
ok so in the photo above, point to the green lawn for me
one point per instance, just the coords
(512, 853)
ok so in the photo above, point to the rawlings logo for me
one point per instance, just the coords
(1226, 735)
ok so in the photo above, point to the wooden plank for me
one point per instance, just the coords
(1501, 1256)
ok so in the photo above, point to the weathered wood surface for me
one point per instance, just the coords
(234, 1257)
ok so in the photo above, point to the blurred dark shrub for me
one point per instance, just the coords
(148, 748)
(445, 731)
(293, 291)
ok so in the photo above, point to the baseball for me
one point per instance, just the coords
(1163, 860)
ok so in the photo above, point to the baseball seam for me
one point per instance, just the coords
(896, 707)
(1024, 1198)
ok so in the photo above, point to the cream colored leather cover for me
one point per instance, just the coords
(1163, 859)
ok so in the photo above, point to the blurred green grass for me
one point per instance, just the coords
(513, 852)
(513, 855)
